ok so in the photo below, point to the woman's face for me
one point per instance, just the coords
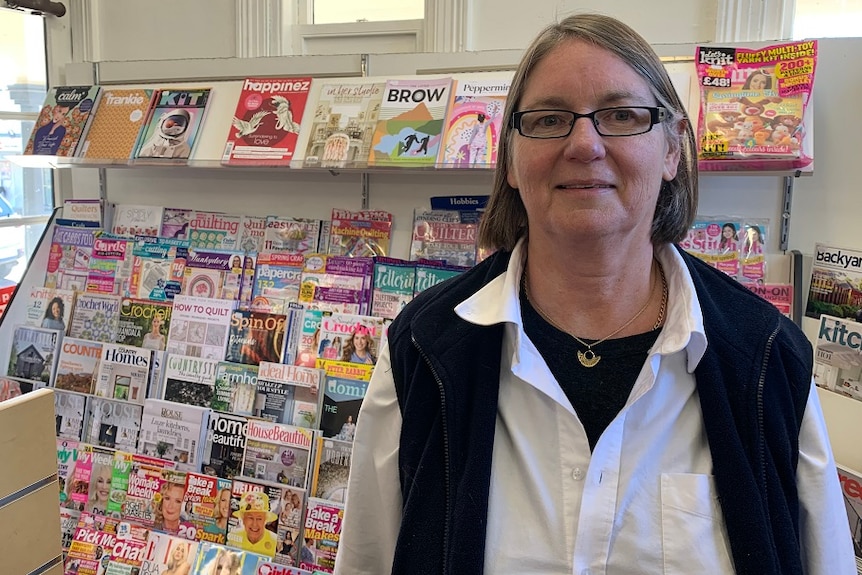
(360, 342)
(172, 503)
(157, 324)
(179, 553)
(55, 310)
(758, 81)
(103, 484)
(224, 503)
(727, 232)
(586, 186)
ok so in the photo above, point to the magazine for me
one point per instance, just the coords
(255, 337)
(365, 233)
(278, 452)
(113, 423)
(343, 392)
(474, 119)
(110, 266)
(235, 388)
(50, 307)
(215, 231)
(323, 521)
(836, 275)
(189, 380)
(174, 432)
(96, 317)
(252, 232)
(294, 235)
(62, 121)
(837, 361)
(211, 274)
(289, 394)
(34, 353)
(69, 258)
(132, 220)
(225, 445)
(266, 122)
(271, 504)
(123, 373)
(393, 286)
(278, 275)
(158, 268)
(70, 411)
(344, 118)
(444, 235)
(211, 557)
(101, 467)
(78, 365)
(115, 126)
(144, 323)
(67, 455)
(207, 507)
(173, 124)
(331, 469)
(410, 126)
(851, 487)
(779, 295)
(199, 327)
(164, 550)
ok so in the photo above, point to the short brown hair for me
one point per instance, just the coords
(505, 219)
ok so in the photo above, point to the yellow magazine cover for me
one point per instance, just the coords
(116, 124)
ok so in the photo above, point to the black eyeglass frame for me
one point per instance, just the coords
(657, 114)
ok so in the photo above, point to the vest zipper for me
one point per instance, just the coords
(761, 382)
(445, 449)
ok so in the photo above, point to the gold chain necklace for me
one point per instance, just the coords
(589, 358)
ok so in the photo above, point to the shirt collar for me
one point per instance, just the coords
(499, 302)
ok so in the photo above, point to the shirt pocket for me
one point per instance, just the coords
(693, 536)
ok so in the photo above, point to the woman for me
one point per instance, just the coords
(54, 315)
(758, 80)
(222, 511)
(753, 241)
(360, 347)
(169, 507)
(100, 488)
(178, 563)
(727, 244)
(155, 339)
(589, 384)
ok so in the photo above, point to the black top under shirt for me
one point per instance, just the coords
(597, 393)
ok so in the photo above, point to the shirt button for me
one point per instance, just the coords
(577, 475)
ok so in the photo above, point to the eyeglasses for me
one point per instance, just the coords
(617, 121)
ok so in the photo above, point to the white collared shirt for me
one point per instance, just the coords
(643, 502)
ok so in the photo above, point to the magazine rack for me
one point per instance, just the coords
(29, 523)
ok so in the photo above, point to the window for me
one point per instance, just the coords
(26, 194)
(827, 19)
(337, 11)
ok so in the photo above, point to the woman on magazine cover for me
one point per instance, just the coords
(179, 563)
(590, 384)
(169, 507)
(54, 315)
(360, 347)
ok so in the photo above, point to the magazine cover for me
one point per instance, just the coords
(277, 275)
(174, 432)
(123, 373)
(255, 337)
(100, 474)
(87, 549)
(343, 121)
(142, 493)
(67, 455)
(779, 295)
(199, 326)
(343, 392)
(211, 274)
(69, 258)
(350, 337)
(96, 317)
(323, 520)
(50, 307)
(62, 121)
(851, 487)
(207, 506)
(253, 229)
(173, 124)
(279, 453)
(253, 524)
(34, 353)
(235, 388)
(474, 119)
(225, 445)
(837, 361)
(110, 266)
(444, 235)
(189, 380)
(116, 124)
(836, 283)
(331, 469)
(215, 231)
(113, 423)
(289, 394)
(218, 559)
(144, 323)
(158, 268)
(168, 554)
(365, 233)
(78, 365)
(338, 284)
(430, 274)
(295, 235)
(393, 286)
(266, 122)
(70, 410)
(410, 128)
(132, 220)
